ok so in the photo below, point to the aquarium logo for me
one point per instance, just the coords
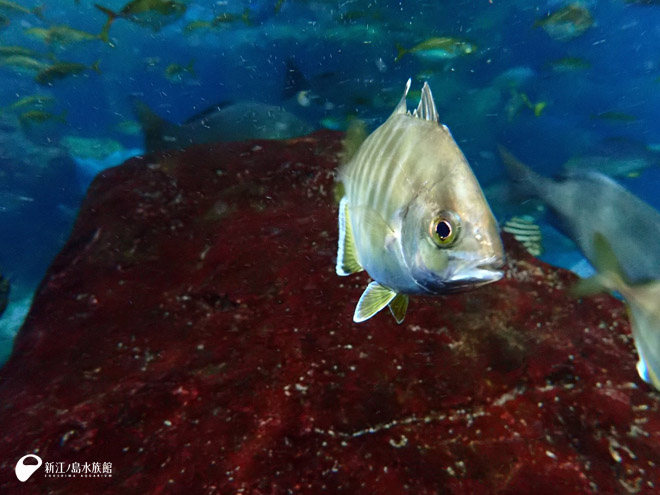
(63, 469)
(23, 470)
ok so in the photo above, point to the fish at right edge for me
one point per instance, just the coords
(620, 236)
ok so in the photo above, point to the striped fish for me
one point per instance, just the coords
(526, 232)
(413, 215)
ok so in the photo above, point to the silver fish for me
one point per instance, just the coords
(618, 233)
(643, 302)
(413, 215)
(584, 203)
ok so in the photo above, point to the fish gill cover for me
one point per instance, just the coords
(569, 87)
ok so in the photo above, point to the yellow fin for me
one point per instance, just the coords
(610, 275)
(347, 262)
(374, 298)
(398, 307)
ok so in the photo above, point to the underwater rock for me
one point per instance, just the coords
(193, 334)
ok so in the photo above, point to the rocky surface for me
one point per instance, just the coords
(193, 334)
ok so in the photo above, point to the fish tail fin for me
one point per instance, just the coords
(39, 11)
(95, 66)
(153, 126)
(527, 183)
(401, 51)
(104, 34)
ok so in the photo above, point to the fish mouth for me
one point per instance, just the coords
(483, 273)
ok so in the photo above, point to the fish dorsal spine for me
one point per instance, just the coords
(426, 109)
(402, 107)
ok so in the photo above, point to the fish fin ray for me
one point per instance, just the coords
(347, 262)
(374, 298)
(426, 109)
(398, 307)
(402, 107)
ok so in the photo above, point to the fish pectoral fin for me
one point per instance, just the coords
(374, 298)
(347, 262)
(398, 307)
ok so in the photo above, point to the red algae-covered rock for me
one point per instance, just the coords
(192, 337)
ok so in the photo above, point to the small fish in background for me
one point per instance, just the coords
(5, 289)
(525, 230)
(35, 102)
(413, 214)
(442, 48)
(154, 14)
(614, 116)
(32, 117)
(567, 23)
(176, 72)
(227, 18)
(197, 25)
(4, 21)
(62, 35)
(23, 64)
(11, 50)
(568, 64)
(62, 70)
(10, 9)
(617, 157)
(518, 101)
(583, 203)
(642, 299)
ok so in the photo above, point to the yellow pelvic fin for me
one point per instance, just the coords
(398, 307)
(347, 262)
(374, 298)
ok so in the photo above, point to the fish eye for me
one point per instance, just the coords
(444, 228)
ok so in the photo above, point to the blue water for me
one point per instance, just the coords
(349, 64)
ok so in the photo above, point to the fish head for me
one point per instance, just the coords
(450, 240)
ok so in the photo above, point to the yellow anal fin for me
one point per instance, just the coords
(374, 298)
(347, 262)
(398, 307)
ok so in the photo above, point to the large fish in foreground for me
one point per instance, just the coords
(413, 215)
(620, 236)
